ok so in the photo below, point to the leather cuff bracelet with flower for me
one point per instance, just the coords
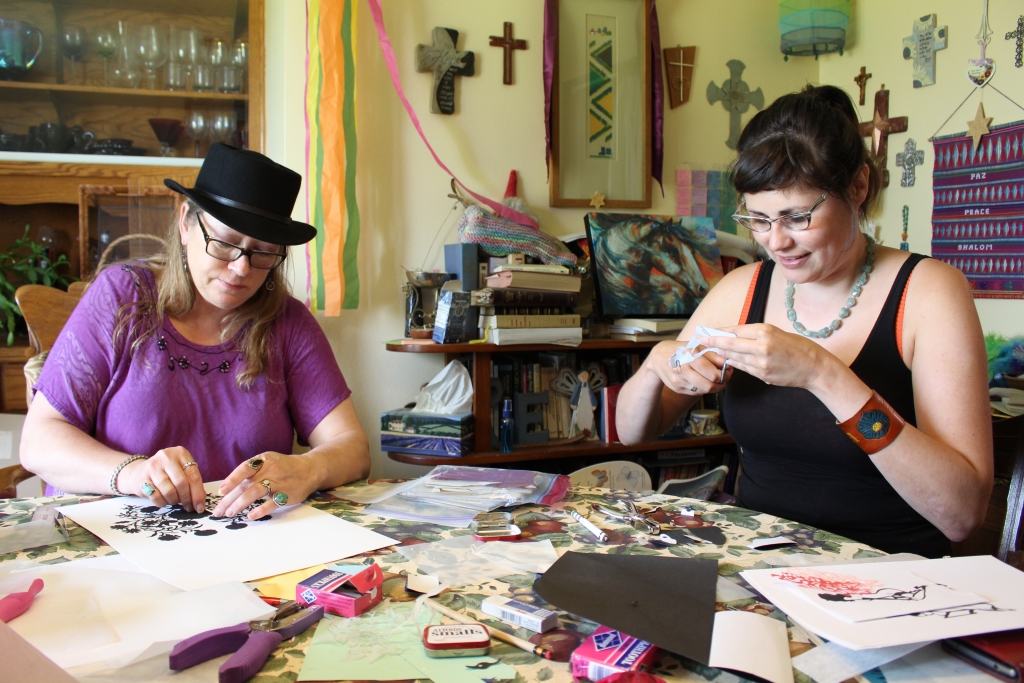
(874, 426)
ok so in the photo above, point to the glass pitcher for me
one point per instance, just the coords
(15, 37)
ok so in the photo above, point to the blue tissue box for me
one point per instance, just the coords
(403, 431)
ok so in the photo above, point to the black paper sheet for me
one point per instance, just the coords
(667, 601)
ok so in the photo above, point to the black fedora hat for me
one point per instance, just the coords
(249, 193)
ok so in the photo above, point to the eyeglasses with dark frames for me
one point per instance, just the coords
(791, 221)
(225, 251)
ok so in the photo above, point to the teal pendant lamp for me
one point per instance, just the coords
(813, 27)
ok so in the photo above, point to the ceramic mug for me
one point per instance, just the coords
(16, 58)
(704, 422)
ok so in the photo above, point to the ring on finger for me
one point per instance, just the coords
(280, 498)
(693, 388)
(190, 463)
(255, 464)
(266, 483)
(148, 489)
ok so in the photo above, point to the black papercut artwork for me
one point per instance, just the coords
(173, 522)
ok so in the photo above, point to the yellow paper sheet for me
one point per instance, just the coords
(283, 585)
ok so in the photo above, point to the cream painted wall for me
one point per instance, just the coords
(402, 194)
(877, 31)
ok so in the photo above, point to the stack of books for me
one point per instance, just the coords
(647, 329)
(525, 303)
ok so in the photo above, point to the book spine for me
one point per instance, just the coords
(531, 297)
(519, 321)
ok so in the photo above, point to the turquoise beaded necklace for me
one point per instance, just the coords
(844, 312)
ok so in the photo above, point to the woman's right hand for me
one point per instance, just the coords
(174, 475)
(702, 376)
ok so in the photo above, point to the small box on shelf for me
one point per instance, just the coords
(403, 431)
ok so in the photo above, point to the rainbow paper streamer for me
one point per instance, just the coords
(331, 258)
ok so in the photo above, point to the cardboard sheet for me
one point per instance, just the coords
(734, 634)
(1001, 586)
(25, 664)
(667, 601)
(195, 550)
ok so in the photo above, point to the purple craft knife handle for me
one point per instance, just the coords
(208, 645)
(251, 657)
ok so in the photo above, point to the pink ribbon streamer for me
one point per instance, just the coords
(392, 64)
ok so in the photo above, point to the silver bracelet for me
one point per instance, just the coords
(117, 470)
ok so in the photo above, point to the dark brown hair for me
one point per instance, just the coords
(809, 138)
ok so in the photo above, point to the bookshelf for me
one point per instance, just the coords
(483, 455)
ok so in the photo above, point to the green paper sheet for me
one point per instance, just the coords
(331, 654)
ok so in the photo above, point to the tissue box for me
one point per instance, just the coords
(608, 652)
(403, 431)
(346, 591)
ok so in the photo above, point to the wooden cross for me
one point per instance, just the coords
(908, 159)
(862, 81)
(1019, 36)
(510, 45)
(446, 62)
(921, 46)
(679, 86)
(879, 128)
(736, 98)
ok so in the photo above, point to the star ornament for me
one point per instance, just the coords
(597, 199)
(979, 125)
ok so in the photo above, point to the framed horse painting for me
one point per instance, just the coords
(652, 266)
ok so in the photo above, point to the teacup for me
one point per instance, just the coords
(704, 422)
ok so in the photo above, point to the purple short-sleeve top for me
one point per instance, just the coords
(172, 392)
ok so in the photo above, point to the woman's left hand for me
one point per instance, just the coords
(289, 481)
(773, 356)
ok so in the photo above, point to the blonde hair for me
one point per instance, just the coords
(249, 325)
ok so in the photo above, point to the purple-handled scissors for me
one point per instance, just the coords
(251, 641)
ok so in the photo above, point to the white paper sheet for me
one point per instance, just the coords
(932, 665)
(985, 576)
(875, 594)
(88, 615)
(832, 663)
(685, 354)
(192, 550)
(464, 560)
(372, 493)
(731, 645)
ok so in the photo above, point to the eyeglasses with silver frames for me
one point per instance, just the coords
(225, 251)
(791, 221)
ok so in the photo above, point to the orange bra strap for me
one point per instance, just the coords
(750, 295)
(899, 315)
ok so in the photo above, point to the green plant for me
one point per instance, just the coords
(25, 263)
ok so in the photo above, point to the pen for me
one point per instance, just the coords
(497, 634)
(589, 526)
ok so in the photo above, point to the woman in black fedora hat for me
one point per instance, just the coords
(197, 365)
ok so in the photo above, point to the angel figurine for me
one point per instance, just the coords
(583, 402)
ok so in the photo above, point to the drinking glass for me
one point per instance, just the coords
(203, 81)
(222, 125)
(228, 79)
(187, 48)
(220, 53)
(196, 125)
(240, 60)
(104, 42)
(74, 43)
(151, 49)
(124, 74)
(176, 76)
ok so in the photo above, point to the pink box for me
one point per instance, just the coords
(682, 177)
(608, 652)
(346, 591)
(683, 195)
(683, 209)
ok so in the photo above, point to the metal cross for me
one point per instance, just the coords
(908, 159)
(446, 62)
(862, 81)
(510, 45)
(1019, 36)
(736, 98)
(921, 46)
(879, 128)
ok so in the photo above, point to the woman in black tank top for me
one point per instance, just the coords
(859, 400)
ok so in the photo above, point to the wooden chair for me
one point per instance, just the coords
(1008, 438)
(704, 487)
(46, 309)
(10, 477)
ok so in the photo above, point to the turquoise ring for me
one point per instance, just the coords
(148, 489)
(281, 498)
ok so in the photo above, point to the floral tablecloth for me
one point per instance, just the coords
(738, 528)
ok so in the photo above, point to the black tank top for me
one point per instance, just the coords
(798, 464)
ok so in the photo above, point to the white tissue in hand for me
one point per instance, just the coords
(449, 393)
(684, 354)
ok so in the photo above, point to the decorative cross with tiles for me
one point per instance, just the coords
(1018, 35)
(921, 47)
(446, 62)
(510, 45)
(908, 160)
(879, 128)
(862, 81)
(736, 98)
